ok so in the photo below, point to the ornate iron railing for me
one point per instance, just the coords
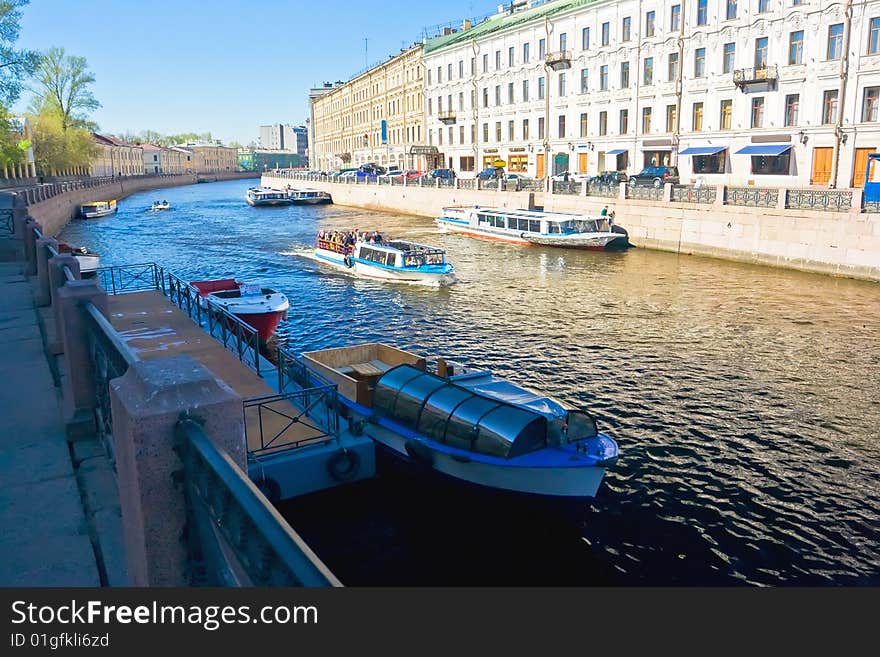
(7, 226)
(445, 182)
(234, 535)
(606, 190)
(694, 194)
(644, 192)
(872, 206)
(828, 200)
(467, 183)
(530, 185)
(760, 197)
(566, 187)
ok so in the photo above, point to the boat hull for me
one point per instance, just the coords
(264, 323)
(258, 204)
(361, 268)
(588, 241)
(311, 201)
(88, 264)
(97, 214)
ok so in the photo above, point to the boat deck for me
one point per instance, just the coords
(155, 328)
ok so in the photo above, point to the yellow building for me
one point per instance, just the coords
(211, 158)
(116, 157)
(377, 116)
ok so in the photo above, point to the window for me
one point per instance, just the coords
(561, 124)
(460, 68)
(449, 71)
(485, 97)
(773, 166)
(603, 123)
(585, 38)
(625, 28)
(525, 129)
(526, 48)
(525, 95)
(486, 133)
(869, 104)
(510, 56)
(440, 137)
(603, 77)
(518, 163)
(835, 41)
(429, 107)
(731, 10)
(563, 42)
(541, 88)
(648, 74)
(646, 120)
(726, 114)
(697, 117)
(473, 65)
(874, 37)
(709, 163)
(562, 84)
(439, 74)
(829, 106)
(728, 57)
(460, 134)
(585, 80)
(461, 101)
(758, 112)
(700, 62)
(623, 121)
(672, 68)
(510, 93)
(624, 75)
(497, 59)
(485, 62)
(671, 118)
(702, 12)
(764, 6)
(584, 124)
(761, 52)
(510, 131)
(542, 48)
(466, 163)
(606, 33)
(540, 127)
(675, 18)
(497, 95)
(429, 76)
(649, 24)
(498, 131)
(796, 47)
(792, 105)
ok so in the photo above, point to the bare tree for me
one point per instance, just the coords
(64, 84)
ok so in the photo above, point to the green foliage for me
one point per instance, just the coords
(64, 83)
(57, 147)
(15, 65)
(157, 138)
(13, 149)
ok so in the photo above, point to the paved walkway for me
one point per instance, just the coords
(45, 537)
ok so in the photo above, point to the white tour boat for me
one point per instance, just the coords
(394, 260)
(574, 231)
(307, 196)
(259, 196)
(98, 209)
(259, 307)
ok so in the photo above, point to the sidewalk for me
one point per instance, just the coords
(49, 511)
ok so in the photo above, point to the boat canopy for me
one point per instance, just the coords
(449, 413)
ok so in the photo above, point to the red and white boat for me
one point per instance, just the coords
(260, 307)
(88, 260)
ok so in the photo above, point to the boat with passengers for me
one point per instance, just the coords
(369, 255)
(574, 231)
(470, 425)
(260, 196)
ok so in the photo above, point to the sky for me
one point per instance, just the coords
(224, 66)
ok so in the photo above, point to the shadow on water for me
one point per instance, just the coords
(745, 399)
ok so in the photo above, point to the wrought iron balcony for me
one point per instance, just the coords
(558, 60)
(447, 117)
(746, 76)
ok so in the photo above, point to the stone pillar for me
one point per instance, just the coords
(78, 386)
(720, 191)
(43, 296)
(621, 192)
(30, 245)
(146, 404)
(57, 280)
(585, 186)
(667, 192)
(782, 198)
(857, 200)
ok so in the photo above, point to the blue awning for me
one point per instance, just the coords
(616, 151)
(702, 150)
(764, 149)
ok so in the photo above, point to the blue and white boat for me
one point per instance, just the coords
(468, 425)
(399, 261)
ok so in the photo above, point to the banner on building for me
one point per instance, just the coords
(384, 132)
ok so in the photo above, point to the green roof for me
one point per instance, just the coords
(503, 22)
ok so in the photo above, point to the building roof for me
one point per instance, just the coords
(110, 140)
(504, 21)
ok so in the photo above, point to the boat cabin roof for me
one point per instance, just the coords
(406, 247)
(556, 217)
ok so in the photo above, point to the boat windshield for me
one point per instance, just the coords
(417, 255)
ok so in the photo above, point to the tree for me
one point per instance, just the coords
(64, 82)
(15, 65)
(57, 148)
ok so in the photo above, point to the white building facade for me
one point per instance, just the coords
(764, 92)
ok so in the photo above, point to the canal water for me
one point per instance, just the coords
(745, 399)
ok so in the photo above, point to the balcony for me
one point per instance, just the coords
(447, 117)
(558, 61)
(743, 77)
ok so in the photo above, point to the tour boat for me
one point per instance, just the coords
(395, 260)
(258, 196)
(88, 260)
(575, 231)
(97, 209)
(260, 307)
(306, 196)
(163, 205)
(471, 426)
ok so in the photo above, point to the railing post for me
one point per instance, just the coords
(43, 296)
(782, 199)
(78, 385)
(857, 201)
(720, 191)
(146, 405)
(30, 245)
(621, 191)
(667, 192)
(584, 188)
(57, 280)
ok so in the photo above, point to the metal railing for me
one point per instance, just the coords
(7, 225)
(467, 183)
(281, 419)
(123, 279)
(744, 76)
(235, 537)
(694, 194)
(567, 187)
(827, 200)
(603, 189)
(644, 192)
(759, 197)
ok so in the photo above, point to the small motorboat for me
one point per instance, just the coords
(98, 209)
(88, 260)
(160, 205)
(259, 307)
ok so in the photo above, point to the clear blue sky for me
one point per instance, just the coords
(224, 66)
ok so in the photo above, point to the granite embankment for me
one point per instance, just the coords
(837, 243)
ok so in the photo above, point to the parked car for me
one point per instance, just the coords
(392, 173)
(489, 173)
(447, 174)
(655, 176)
(609, 178)
(340, 172)
(413, 174)
(572, 177)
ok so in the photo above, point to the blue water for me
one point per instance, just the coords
(745, 400)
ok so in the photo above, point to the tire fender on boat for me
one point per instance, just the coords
(348, 262)
(419, 452)
(344, 464)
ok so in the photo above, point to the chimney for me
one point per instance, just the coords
(447, 31)
(465, 25)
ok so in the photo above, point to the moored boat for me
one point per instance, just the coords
(307, 196)
(471, 426)
(260, 307)
(260, 196)
(574, 231)
(97, 209)
(395, 260)
(88, 260)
